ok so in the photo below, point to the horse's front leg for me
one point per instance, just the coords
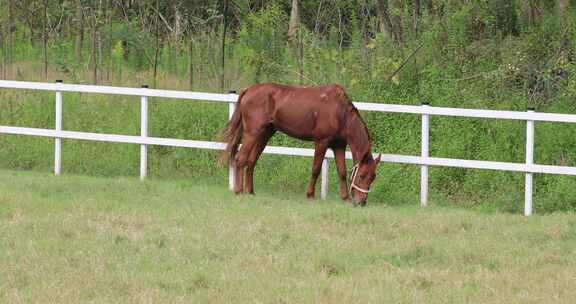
(253, 158)
(319, 154)
(340, 159)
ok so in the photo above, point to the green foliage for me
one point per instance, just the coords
(261, 44)
(474, 54)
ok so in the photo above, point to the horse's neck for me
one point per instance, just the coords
(357, 137)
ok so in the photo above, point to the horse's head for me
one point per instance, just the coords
(362, 176)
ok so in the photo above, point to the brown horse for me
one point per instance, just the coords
(324, 115)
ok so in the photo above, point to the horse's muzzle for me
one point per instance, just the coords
(361, 203)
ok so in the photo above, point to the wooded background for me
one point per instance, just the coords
(494, 54)
(379, 41)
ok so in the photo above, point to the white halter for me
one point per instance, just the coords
(353, 174)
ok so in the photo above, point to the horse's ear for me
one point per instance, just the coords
(377, 160)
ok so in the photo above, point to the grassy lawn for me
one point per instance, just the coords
(77, 239)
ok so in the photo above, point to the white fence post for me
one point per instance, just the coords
(231, 166)
(425, 148)
(143, 133)
(324, 180)
(58, 127)
(529, 161)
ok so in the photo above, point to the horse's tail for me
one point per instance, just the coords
(232, 134)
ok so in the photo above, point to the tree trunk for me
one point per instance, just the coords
(364, 21)
(563, 8)
(534, 11)
(79, 30)
(530, 11)
(191, 63)
(110, 41)
(45, 39)
(3, 54)
(177, 32)
(10, 47)
(416, 17)
(431, 9)
(31, 21)
(397, 21)
(93, 59)
(390, 23)
(318, 14)
(125, 50)
(340, 32)
(224, 28)
(294, 21)
(365, 36)
(157, 51)
(100, 52)
(301, 57)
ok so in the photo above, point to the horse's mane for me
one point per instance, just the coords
(362, 122)
(357, 131)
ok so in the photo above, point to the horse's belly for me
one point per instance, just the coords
(296, 133)
(299, 124)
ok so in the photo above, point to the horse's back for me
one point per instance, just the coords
(332, 95)
(302, 112)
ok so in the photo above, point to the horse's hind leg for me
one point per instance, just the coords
(248, 142)
(253, 158)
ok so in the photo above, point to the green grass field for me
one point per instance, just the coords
(73, 239)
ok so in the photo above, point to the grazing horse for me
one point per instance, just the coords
(323, 114)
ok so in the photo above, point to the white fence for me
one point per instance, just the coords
(424, 160)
